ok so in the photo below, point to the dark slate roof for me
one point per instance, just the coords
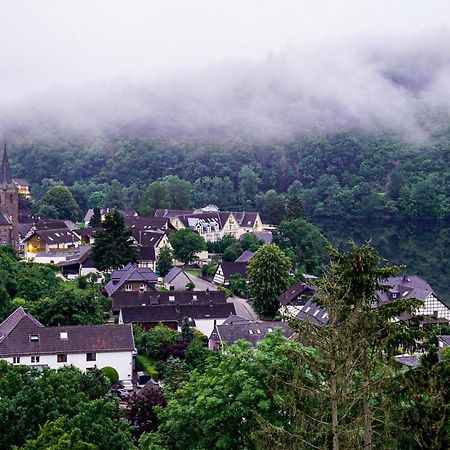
(316, 314)
(128, 212)
(59, 236)
(444, 338)
(13, 320)
(233, 319)
(84, 253)
(147, 223)
(297, 294)
(173, 273)
(24, 228)
(147, 238)
(21, 181)
(80, 339)
(406, 286)
(88, 231)
(176, 313)
(170, 213)
(229, 268)
(146, 253)
(265, 236)
(122, 299)
(245, 257)
(408, 360)
(129, 273)
(245, 218)
(253, 332)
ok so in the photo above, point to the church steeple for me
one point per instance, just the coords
(5, 174)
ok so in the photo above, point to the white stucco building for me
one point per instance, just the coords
(25, 341)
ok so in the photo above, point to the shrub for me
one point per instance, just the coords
(111, 373)
(226, 291)
(144, 364)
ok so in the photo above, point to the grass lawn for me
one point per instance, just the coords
(193, 272)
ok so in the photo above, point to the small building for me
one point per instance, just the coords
(79, 266)
(121, 299)
(25, 341)
(23, 187)
(50, 245)
(226, 269)
(443, 341)
(131, 279)
(176, 279)
(235, 328)
(412, 286)
(87, 234)
(201, 316)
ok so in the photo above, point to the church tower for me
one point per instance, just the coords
(9, 205)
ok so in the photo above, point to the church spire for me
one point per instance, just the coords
(5, 174)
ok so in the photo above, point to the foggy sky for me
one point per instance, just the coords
(252, 66)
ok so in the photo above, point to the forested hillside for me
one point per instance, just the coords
(335, 175)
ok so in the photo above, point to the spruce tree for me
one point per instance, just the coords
(113, 246)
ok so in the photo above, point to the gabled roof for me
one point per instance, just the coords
(147, 223)
(59, 236)
(176, 313)
(129, 273)
(246, 219)
(21, 181)
(406, 286)
(311, 311)
(88, 231)
(173, 273)
(146, 253)
(265, 236)
(14, 319)
(147, 238)
(233, 319)
(444, 338)
(171, 213)
(230, 268)
(63, 339)
(245, 257)
(296, 294)
(253, 332)
(84, 253)
(123, 299)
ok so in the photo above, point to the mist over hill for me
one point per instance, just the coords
(373, 85)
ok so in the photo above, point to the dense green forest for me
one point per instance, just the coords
(337, 175)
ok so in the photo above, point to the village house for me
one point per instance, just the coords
(201, 316)
(80, 265)
(25, 341)
(412, 286)
(149, 244)
(176, 279)
(213, 224)
(227, 269)
(123, 299)
(51, 246)
(23, 187)
(234, 328)
(131, 279)
(104, 211)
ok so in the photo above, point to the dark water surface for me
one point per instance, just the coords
(423, 247)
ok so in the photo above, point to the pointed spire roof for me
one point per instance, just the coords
(5, 174)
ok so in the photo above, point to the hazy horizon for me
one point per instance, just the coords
(254, 67)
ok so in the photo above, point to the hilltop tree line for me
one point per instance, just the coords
(335, 175)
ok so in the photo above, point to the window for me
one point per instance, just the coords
(143, 287)
(171, 298)
(16, 360)
(63, 335)
(61, 357)
(34, 338)
(91, 356)
(128, 287)
(35, 359)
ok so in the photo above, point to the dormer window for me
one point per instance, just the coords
(194, 297)
(171, 298)
(63, 335)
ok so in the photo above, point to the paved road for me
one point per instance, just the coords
(242, 306)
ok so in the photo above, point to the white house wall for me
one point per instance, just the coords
(206, 326)
(121, 361)
(434, 307)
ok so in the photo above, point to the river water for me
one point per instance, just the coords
(423, 247)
